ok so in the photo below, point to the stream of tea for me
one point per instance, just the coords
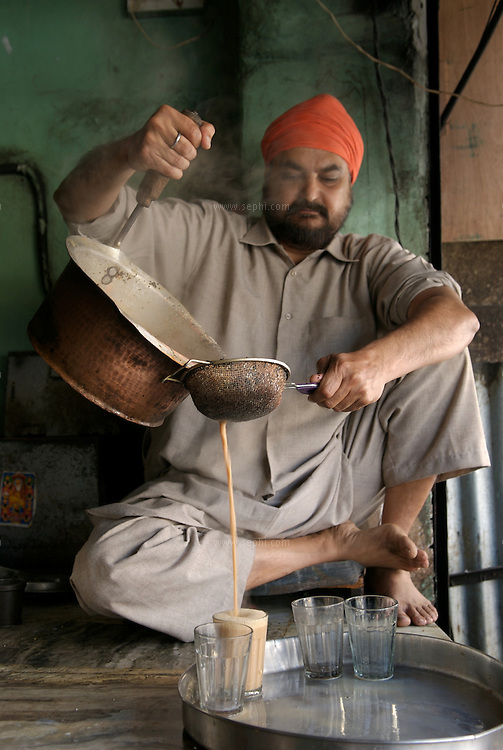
(232, 514)
(257, 619)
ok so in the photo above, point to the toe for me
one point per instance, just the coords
(407, 548)
(430, 613)
(423, 614)
(422, 559)
(417, 617)
(403, 619)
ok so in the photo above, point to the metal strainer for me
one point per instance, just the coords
(235, 390)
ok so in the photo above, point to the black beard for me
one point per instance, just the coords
(304, 238)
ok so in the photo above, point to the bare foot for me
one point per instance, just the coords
(413, 607)
(385, 546)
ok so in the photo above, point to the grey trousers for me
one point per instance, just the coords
(143, 564)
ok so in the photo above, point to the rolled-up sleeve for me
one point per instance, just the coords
(395, 276)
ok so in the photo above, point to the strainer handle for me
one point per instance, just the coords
(306, 388)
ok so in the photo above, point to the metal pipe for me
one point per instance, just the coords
(37, 188)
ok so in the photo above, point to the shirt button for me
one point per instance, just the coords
(288, 316)
(293, 273)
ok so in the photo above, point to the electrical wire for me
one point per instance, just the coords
(492, 22)
(160, 46)
(395, 68)
(384, 104)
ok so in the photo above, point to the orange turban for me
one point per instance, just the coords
(320, 122)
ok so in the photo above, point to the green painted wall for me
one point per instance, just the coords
(293, 50)
(76, 73)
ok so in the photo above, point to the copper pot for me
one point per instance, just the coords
(106, 348)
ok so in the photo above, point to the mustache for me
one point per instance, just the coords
(302, 203)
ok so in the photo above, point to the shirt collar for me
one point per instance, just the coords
(259, 234)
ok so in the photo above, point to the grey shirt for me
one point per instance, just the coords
(243, 289)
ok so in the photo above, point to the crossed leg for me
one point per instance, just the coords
(386, 551)
(385, 546)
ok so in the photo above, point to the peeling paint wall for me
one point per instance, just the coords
(76, 74)
(291, 51)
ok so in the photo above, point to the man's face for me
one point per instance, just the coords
(307, 197)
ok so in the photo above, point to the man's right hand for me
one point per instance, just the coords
(92, 187)
(155, 146)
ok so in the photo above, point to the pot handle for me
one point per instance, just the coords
(153, 183)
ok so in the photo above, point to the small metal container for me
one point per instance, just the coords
(11, 601)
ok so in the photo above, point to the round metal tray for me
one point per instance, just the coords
(442, 695)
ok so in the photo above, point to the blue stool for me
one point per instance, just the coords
(335, 575)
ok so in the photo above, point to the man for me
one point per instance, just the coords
(341, 474)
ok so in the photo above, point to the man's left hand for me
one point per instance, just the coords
(349, 381)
